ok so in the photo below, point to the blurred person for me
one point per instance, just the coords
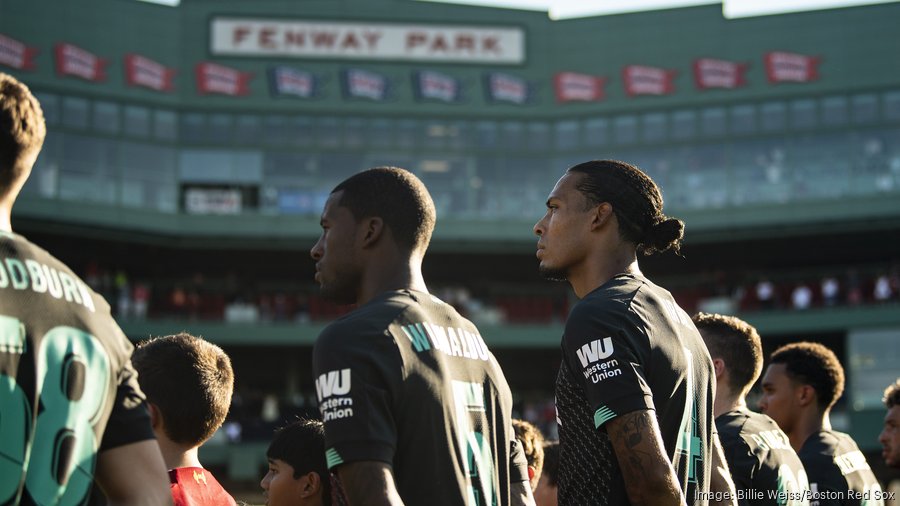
(881, 291)
(298, 474)
(532, 442)
(545, 493)
(831, 291)
(890, 436)
(188, 382)
(416, 408)
(759, 453)
(801, 297)
(140, 299)
(71, 409)
(765, 294)
(634, 394)
(801, 385)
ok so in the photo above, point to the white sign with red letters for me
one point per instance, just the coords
(366, 41)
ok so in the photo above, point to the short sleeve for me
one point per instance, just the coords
(129, 421)
(606, 353)
(357, 373)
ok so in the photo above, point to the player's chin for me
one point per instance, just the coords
(552, 273)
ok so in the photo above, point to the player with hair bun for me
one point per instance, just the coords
(634, 394)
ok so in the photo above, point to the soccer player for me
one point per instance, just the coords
(764, 467)
(416, 408)
(532, 442)
(298, 474)
(890, 436)
(634, 394)
(801, 384)
(72, 410)
(545, 494)
(188, 382)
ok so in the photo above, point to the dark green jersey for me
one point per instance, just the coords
(406, 380)
(839, 474)
(67, 388)
(764, 467)
(628, 346)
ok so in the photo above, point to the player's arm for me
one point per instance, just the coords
(520, 494)
(134, 475)
(721, 484)
(369, 483)
(648, 474)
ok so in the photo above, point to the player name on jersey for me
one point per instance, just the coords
(454, 342)
(27, 274)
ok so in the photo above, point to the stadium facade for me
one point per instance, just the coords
(207, 136)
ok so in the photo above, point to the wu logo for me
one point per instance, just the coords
(597, 350)
(198, 477)
(333, 383)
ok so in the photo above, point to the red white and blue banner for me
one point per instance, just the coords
(146, 73)
(502, 87)
(644, 80)
(782, 67)
(74, 61)
(575, 87)
(213, 78)
(365, 84)
(713, 73)
(431, 85)
(287, 81)
(16, 54)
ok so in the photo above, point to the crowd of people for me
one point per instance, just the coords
(413, 407)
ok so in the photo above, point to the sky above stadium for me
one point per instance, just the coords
(562, 9)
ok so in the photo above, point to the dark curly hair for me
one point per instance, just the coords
(737, 343)
(636, 201)
(892, 395)
(396, 196)
(815, 365)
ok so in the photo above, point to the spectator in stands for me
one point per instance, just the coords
(801, 297)
(801, 384)
(736, 351)
(831, 291)
(140, 299)
(765, 294)
(298, 474)
(533, 444)
(890, 436)
(882, 290)
(188, 382)
(545, 494)
(854, 288)
(89, 423)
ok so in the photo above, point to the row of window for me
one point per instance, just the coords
(255, 130)
(715, 174)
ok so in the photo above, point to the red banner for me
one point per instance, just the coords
(71, 60)
(213, 78)
(642, 80)
(574, 87)
(712, 73)
(144, 72)
(16, 54)
(791, 67)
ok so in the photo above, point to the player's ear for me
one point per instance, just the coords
(719, 366)
(371, 230)
(806, 395)
(600, 215)
(155, 415)
(312, 486)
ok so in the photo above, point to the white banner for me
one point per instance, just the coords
(366, 41)
(212, 201)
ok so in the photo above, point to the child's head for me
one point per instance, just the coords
(189, 381)
(298, 473)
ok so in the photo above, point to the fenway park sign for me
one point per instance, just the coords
(366, 41)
